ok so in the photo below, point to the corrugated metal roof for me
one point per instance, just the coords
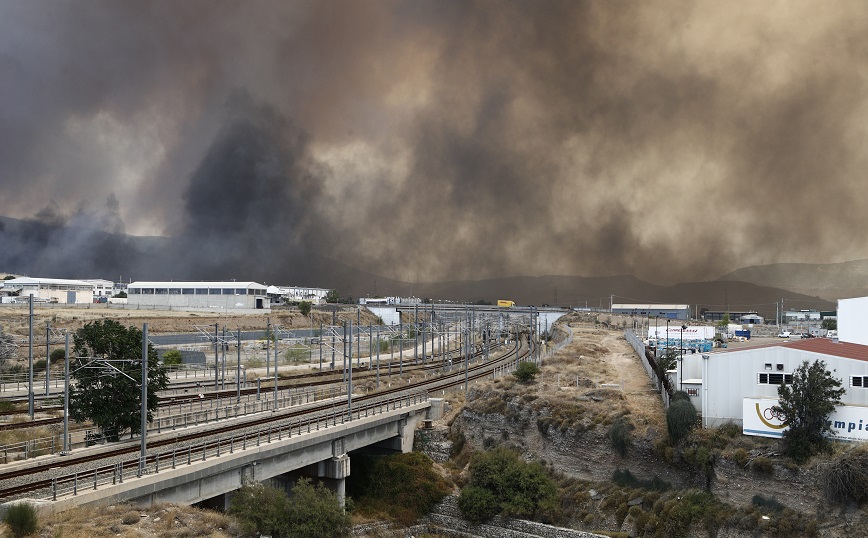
(630, 306)
(174, 285)
(827, 346)
(824, 346)
(45, 281)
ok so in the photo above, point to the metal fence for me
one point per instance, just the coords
(639, 347)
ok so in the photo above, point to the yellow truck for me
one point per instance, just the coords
(505, 304)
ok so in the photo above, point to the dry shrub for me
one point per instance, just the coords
(764, 466)
(131, 517)
(845, 478)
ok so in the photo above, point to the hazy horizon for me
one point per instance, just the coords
(433, 141)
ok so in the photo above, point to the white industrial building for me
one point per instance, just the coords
(741, 385)
(198, 295)
(719, 382)
(51, 290)
(853, 320)
(662, 311)
(101, 288)
(381, 301)
(279, 294)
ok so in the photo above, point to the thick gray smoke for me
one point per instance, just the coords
(428, 141)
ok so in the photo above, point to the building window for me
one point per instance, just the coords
(147, 291)
(774, 379)
(859, 381)
(187, 291)
(201, 291)
(174, 291)
(161, 291)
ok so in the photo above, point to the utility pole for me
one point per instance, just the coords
(223, 353)
(66, 398)
(401, 342)
(30, 361)
(238, 370)
(358, 337)
(350, 377)
(144, 444)
(378, 356)
(275, 370)
(47, 358)
(216, 360)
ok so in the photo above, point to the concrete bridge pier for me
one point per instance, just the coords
(333, 473)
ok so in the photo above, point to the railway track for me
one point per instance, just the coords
(45, 477)
(308, 379)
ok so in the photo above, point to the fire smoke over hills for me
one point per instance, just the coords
(430, 140)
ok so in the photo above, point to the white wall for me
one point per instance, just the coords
(853, 320)
(732, 376)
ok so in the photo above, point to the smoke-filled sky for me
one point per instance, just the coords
(439, 140)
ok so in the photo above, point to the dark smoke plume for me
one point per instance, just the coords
(430, 140)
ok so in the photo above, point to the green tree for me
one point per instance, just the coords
(172, 357)
(107, 369)
(259, 509)
(526, 371)
(57, 355)
(304, 308)
(681, 418)
(333, 296)
(120, 295)
(805, 406)
(312, 511)
(404, 486)
(666, 362)
(315, 512)
(619, 436)
(830, 324)
(503, 483)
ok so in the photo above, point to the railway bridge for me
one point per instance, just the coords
(319, 448)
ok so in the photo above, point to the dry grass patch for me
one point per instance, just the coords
(168, 521)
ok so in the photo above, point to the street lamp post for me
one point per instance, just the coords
(667, 337)
(681, 352)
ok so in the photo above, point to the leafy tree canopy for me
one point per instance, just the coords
(312, 511)
(172, 357)
(304, 307)
(681, 418)
(805, 406)
(526, 371)
(333, 296)
(107, 368)
(830, 324)
(404, 486)
(501, 482)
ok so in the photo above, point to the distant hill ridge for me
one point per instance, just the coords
(828, 281)
(59, 251)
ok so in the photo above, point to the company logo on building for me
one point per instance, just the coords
(847, 422)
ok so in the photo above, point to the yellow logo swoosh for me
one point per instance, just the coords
(766, 422)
